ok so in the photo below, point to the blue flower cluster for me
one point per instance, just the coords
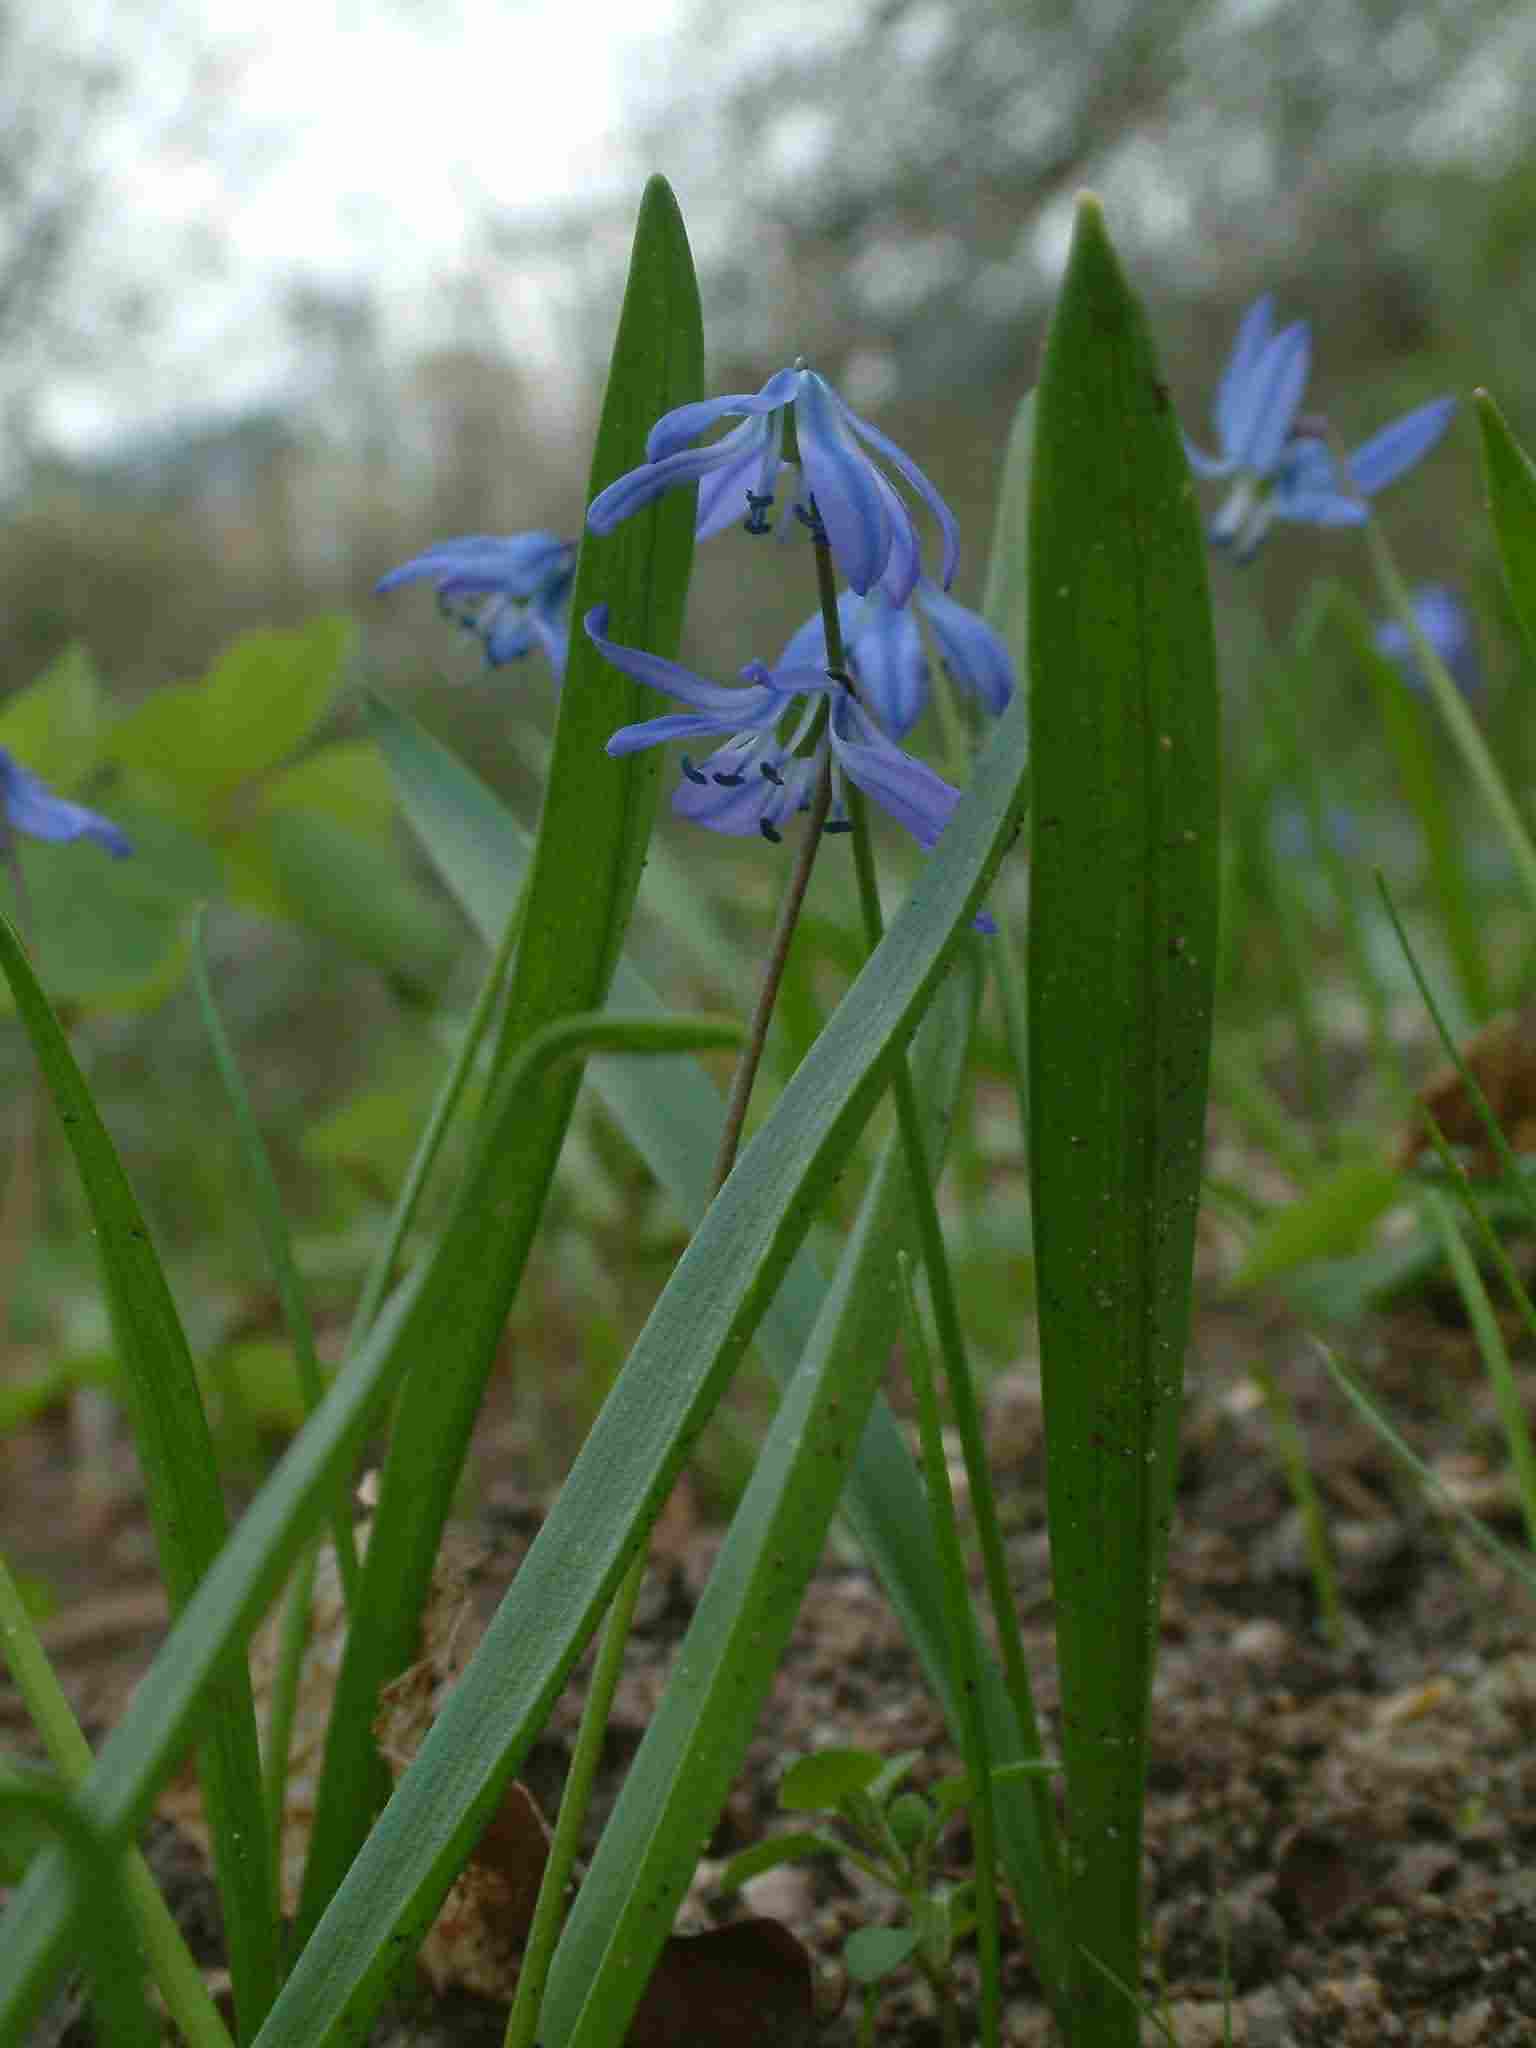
(784, 724)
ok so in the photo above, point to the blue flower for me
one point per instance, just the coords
(778, 731)
(30, 806)
(840, 487)
(885, 652)
(1444, 621)
(1283, 467)
(511, 591)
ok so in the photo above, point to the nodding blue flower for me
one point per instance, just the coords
(1446, 624)
(512, 591)
(778, 731)
(1283, 466)
(29, 805)
(886, 654)
(841, 490)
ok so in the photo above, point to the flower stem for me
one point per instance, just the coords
(935, 1260)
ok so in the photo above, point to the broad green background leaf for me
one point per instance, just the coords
(196, 744)
(1330, 1221)
(1124, 733)
(54, 726)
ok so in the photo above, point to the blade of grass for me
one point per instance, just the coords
(593, 830)
(102, 1925)
(1122, 956)
(1490, 1343)
(962, 1640)
(178, 1978)
(679, 1367)
(181, 1485)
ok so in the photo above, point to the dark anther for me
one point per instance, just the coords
(838, 825)
(811, 519)
(758, 507)
(770, 832)
(771, 774)
(730, 781)
(692, 773)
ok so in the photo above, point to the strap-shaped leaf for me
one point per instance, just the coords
(1124, 724)
(593, 830)
(672, 1116)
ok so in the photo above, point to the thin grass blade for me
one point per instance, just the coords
(180, 1481)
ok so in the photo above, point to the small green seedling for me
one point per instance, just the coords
(891, 1835)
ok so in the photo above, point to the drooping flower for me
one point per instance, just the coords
(1281, 464)
(777, 731)
(886, 654)
(1445, 623)
(30, 806)
(512, 591)
(839, 484)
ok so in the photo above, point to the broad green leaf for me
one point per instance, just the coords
(680, 1366)
(54, 726)
(1511, 481)
(195, 744)
(181, 1482)
(672, 1115)
(871, 1953)
(821, 1782)
(347, 781)
(586, 864)
(1330, 1221)
(1122, 955)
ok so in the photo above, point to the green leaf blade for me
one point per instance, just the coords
(1121, 961)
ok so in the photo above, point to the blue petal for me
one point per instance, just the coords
(685, 423)
(806, 647)
(917, 798)
(732, 710)
(975, 656)
(723, 489)
(742, 808)
(844, 483)
(1264, 407)
(949, 526)
(519, 564)
(890, 664)
(1253, 338)
(31, 807)
(1207, 465)
(654, 732)
(1396, 448)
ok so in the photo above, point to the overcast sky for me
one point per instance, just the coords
(342, 144)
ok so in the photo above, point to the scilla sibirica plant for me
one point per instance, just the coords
(1104, 775)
